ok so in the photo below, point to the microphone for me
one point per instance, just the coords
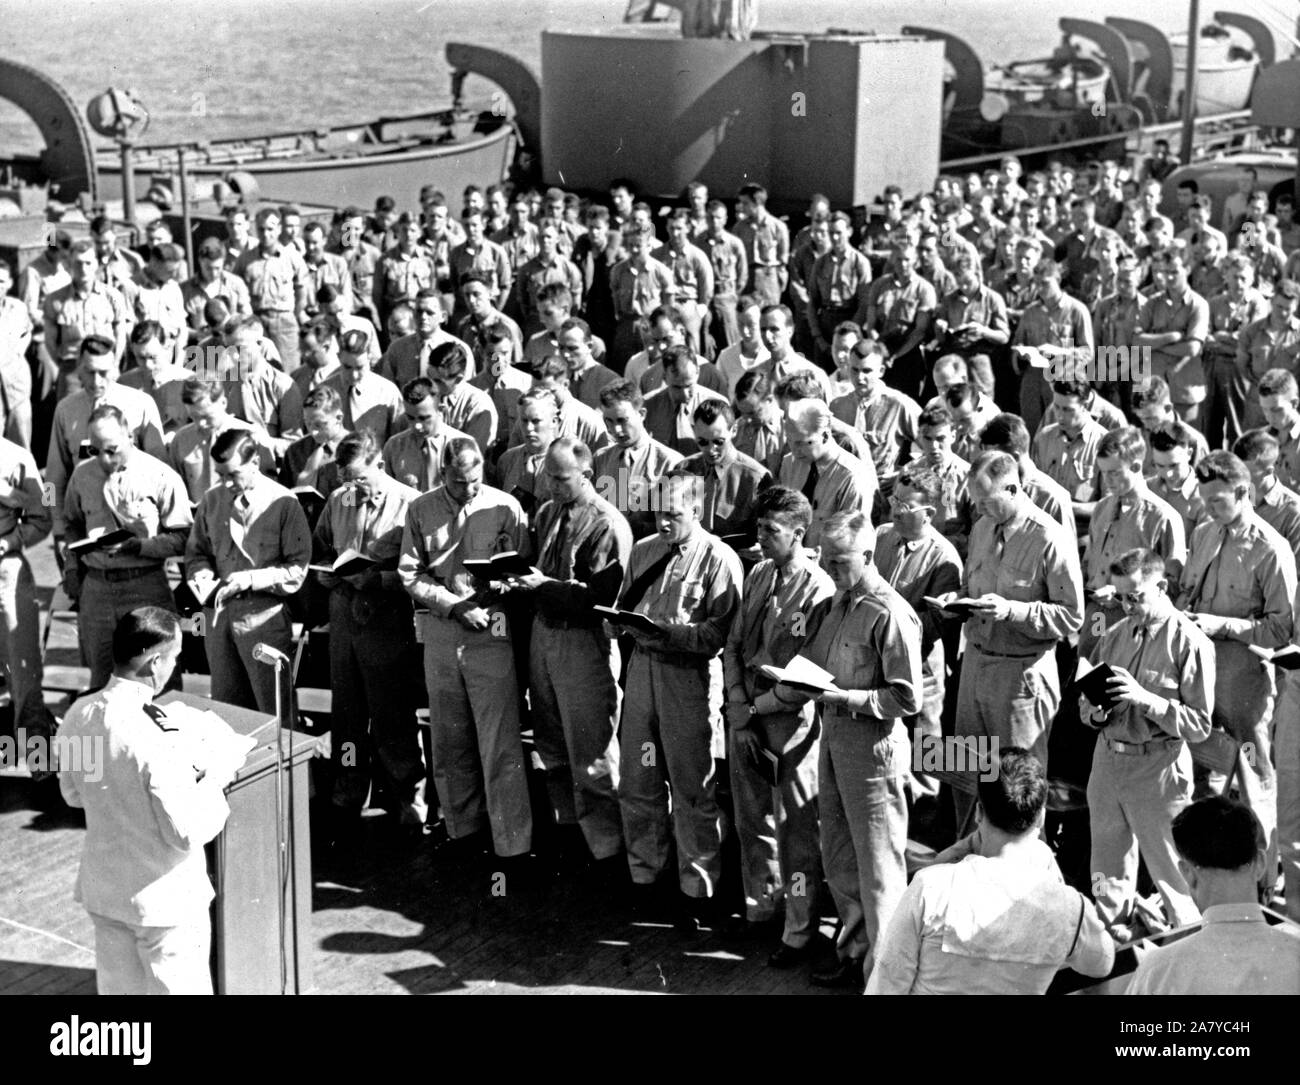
(272, 657)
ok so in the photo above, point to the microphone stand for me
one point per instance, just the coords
(281, 843)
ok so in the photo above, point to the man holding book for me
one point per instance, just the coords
(776, 751)
(1155, 697)
(869, 641)
(372, 645)
(125, 512)
(687, 583)
(584, 544)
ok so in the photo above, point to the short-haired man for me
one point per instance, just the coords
(816, 466)
(1008, 433)
(324, 269)
(464, 407)
(83, 308)
(262, 395)
(775, 752)
(886, 418)
(404, 271)
(1175, 325)
(596, 253)
(469, 664)
(1160, 700)
(486, 258)
(312, 459)
(1238, 306)
(1235, 952)
(733, 481)
(143, 875)
(1275, 504)
(869, 639)
(1279, 402)
(521, 470)
(1055, 326)
(584, 544)
(157, 374)
(1172, 478)
(277, 286)
(838, 287)
(916, 561)
(627, 470)
(767, 244)
(587, 377)
(372, 648)
(69, 441)
(665, 329)
(639, 284)
(549, 267)
(413, 455)
(1239, 586)
(759, 431)
(190, 451)
(1114, 323)
(1023, 571)
(934, 453)
(1128, 516)
(730, 266)
(692, 273)
(900, 308)
(1270, 343)
(1066, 450)
(251, 543)
(370, 401)
(943, 940)
(407, 357)
(669, 412)
(971, 320)
(688, 583)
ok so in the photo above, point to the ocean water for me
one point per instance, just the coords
(212, 68)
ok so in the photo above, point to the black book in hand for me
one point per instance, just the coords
(499, 566)
(1287, 657)
(1091, 682)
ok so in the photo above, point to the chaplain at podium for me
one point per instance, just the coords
(149, 811)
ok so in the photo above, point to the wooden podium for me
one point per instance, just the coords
(242, 860)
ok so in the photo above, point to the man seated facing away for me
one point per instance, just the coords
(1235, 952)
(1000, 920)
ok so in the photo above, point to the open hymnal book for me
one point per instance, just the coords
(963, 608)
(1287, 657)
(348, 563)
(303, 493)
(101, 540)
(628, 618)
(802, 673)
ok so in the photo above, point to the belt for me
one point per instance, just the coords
(1010, 655)
(840, 712)
(1150, 746)
(113, 576)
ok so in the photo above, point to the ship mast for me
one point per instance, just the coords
(1189, 91)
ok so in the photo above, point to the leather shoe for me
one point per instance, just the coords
(846, 974)
(788, 956)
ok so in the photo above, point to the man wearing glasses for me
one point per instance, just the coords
(1160, 699)
(732, 480)
(916, 561)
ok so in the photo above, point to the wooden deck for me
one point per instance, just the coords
(408, 918)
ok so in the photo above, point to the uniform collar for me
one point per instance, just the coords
(1235, 912)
